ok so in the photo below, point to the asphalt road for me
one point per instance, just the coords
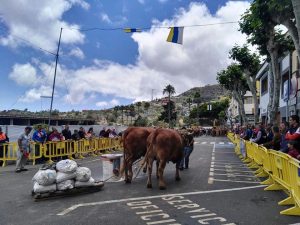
(217, 189)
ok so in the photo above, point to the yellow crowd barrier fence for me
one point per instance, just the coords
(62, 149)
(281, 170)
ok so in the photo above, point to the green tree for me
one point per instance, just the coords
(287, 13)
(146, 106)
(250, 64)
(169, 113)
(141, 122)
(138, 104)
(170, 90)
(271, 42)
(232, 79)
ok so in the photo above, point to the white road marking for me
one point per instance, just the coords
(233, 175)
(239, 171)
(294, 224)
(212, 143)
(210, 180)
(237, 181)
(226, 162)
(204, 142)
(73, 207)
(211, 174)
(221, 143)
(226, 152)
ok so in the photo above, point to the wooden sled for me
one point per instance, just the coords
(70, 192)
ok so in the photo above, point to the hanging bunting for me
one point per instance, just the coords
(175, 35)
(131, 30)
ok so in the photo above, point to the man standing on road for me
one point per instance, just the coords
(24, 150)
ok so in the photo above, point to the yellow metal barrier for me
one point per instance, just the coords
(60, 149)
(9, 152)
(294, 170)
(283, 172)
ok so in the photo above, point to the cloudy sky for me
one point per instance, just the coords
(99, 69)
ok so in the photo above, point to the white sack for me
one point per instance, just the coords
(43, 189)
(66, 166)
(89, 183)
(45, 177)
(65, 185)
(83, 174)
(60, 176)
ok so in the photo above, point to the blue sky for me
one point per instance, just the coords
(100, 69)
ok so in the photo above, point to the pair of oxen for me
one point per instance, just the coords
(162, 145)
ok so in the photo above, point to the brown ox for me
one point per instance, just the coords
(164, 145)
(135, 146)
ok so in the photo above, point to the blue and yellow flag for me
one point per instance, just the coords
(131, 30)
(175, 35)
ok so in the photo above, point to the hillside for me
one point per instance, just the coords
(208, 93)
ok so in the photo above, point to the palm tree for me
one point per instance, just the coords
(170, 90)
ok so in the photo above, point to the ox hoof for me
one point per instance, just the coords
(177, 178)
(128, 181)
(145, 170)
(149, 185)
(162, 187)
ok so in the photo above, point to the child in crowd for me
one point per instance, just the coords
(293, 149)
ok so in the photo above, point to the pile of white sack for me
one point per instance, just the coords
(67, 175)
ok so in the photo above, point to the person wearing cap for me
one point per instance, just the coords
(24, 150)
(3, 139)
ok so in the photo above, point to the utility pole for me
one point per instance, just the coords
(56, 61)
(152, 90)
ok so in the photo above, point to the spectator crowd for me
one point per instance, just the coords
(284, 138)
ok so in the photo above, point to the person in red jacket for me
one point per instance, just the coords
(293, 133)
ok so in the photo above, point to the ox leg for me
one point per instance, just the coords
(130, 173)
(145, 169)
(128, 168)
(177, 177)
(161, 182)
(149, 165)
(157, 165)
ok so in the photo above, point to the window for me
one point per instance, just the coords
(264, 85)
(248, 100)
(284, 78)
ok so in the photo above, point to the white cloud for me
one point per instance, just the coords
(35, 94)
(141, 1)
(117, 20)
(114, 102)
(105, 18)
(24, 75)
(102, 104)
(77, 52)
(24, 20)
(162, 1)
(195, 63)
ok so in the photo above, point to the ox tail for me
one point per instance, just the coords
(152, 143)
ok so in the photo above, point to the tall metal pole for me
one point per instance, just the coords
(56, 61)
